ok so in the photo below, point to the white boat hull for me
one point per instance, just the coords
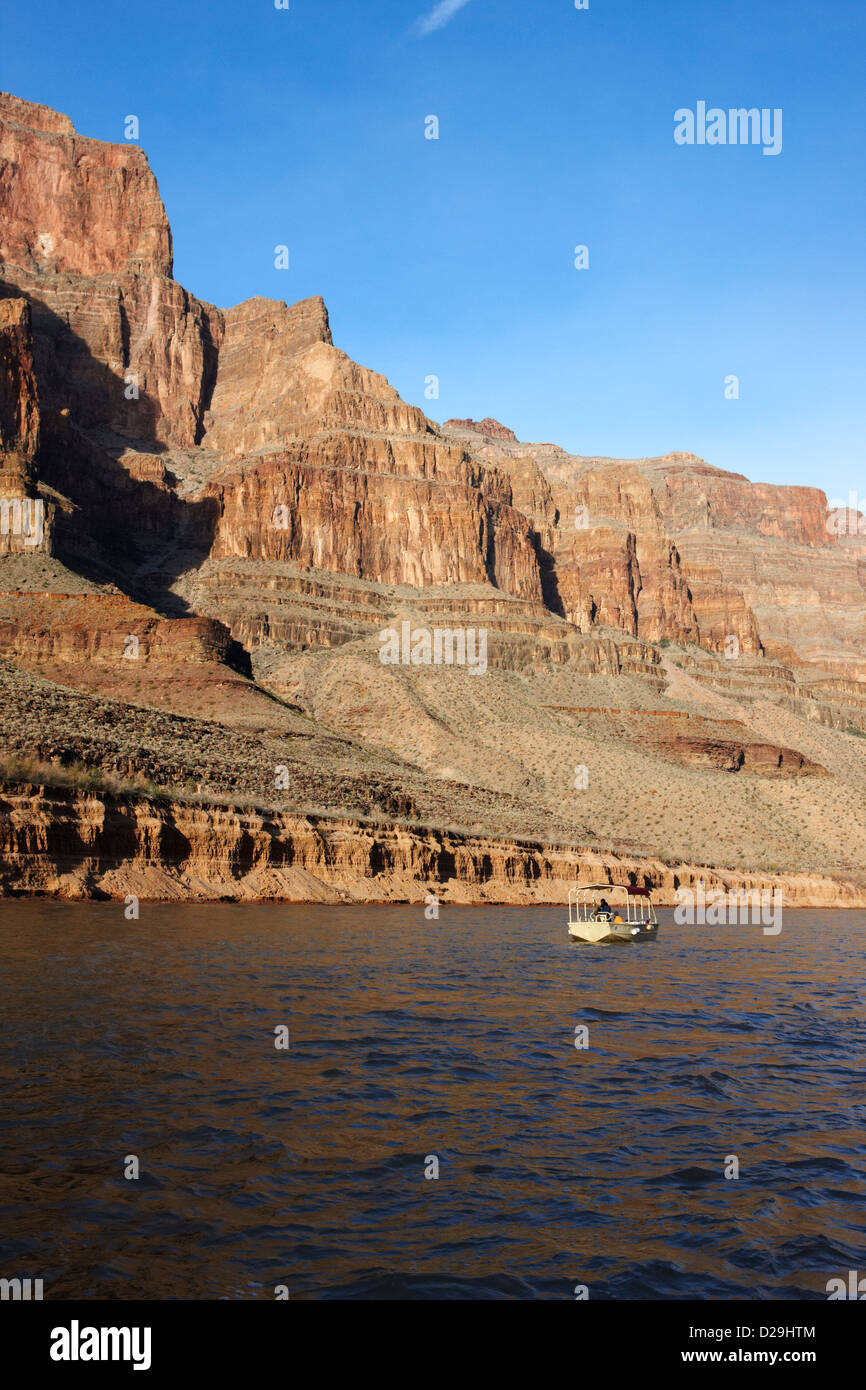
(624, 933)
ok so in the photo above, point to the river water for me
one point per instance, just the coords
(415, 1044)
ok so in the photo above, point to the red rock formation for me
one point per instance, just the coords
(73, 206)
(85, 238)
(489, 427)
(700, 497)
(104, 628)
(121, 345)
(674, 548)
(398, 531)
(236, 467)
(252, 438)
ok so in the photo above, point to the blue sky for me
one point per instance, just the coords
(454, 257)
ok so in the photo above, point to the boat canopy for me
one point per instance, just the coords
(629, 888)
(637, 904)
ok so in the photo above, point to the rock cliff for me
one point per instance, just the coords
(96, 846)
(227, 494)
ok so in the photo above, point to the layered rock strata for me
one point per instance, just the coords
(87, 846)
(227, 495)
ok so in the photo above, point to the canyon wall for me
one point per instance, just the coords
(229, 489)
(672, 548)
(278, 417)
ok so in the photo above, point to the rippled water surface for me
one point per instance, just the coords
(410, 1039)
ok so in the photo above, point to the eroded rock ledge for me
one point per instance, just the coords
(75, 845)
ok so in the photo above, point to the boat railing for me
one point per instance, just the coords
(635, 911)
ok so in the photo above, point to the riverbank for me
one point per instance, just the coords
(73, 844)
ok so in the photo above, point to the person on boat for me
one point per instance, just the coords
(604, 909)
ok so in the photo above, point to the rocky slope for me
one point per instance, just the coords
(233, 513)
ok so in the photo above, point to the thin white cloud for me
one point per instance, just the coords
(440, 15)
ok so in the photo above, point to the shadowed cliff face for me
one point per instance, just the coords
(230, 497)
(19, 406)
(24, 523)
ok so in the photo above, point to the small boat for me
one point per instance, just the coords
(629, 916)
